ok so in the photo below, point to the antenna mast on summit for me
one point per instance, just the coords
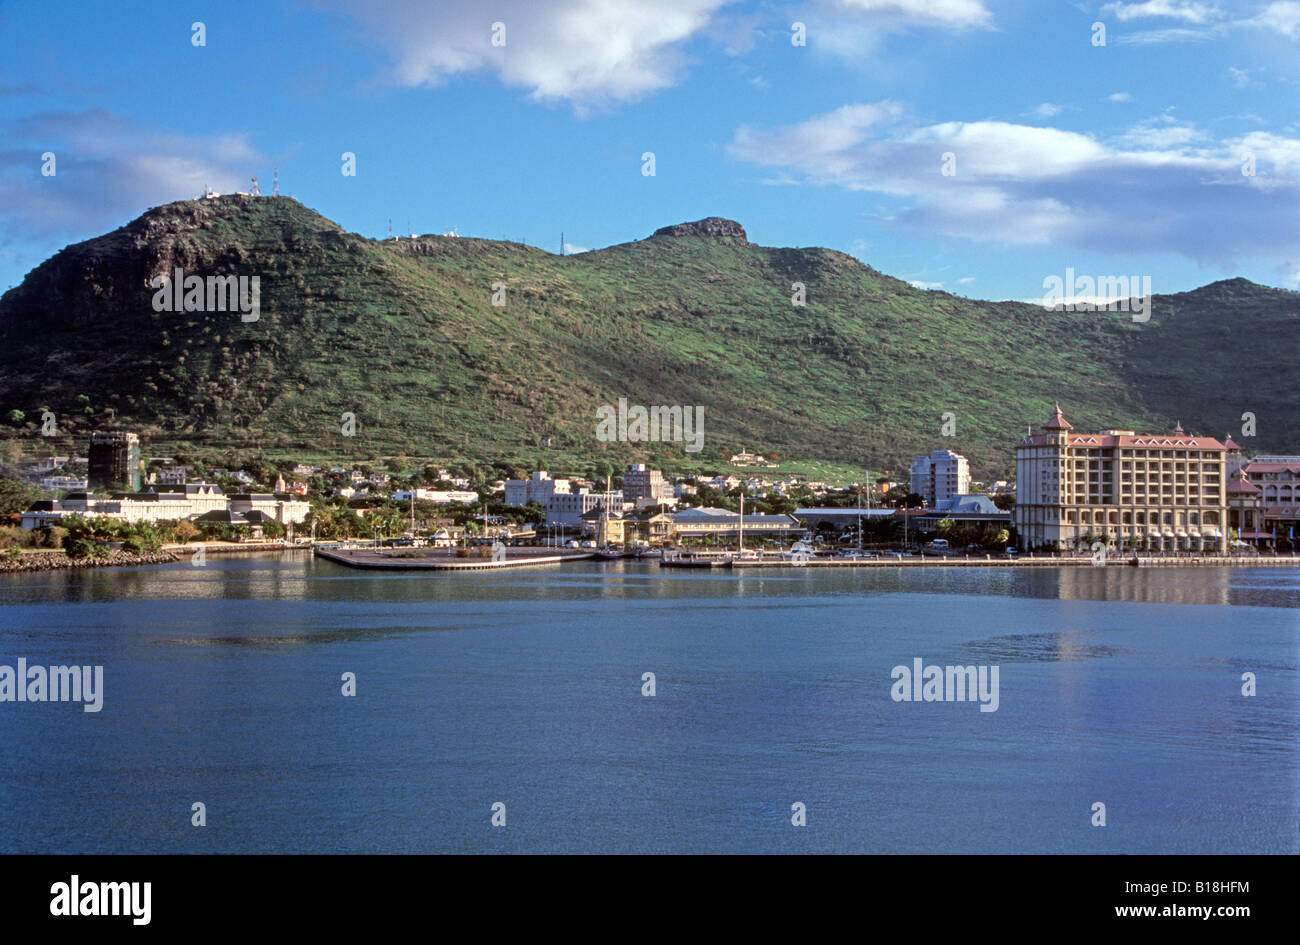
(561, 242)
(275, 183)
(257, 192)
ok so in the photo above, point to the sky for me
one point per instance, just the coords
(974, 146)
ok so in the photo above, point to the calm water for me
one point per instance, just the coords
(222, 685)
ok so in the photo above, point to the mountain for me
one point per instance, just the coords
(404, 335)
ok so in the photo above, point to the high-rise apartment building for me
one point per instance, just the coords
(642, 483)
(941, 475)
(114, 461)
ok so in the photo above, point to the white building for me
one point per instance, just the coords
(197, 499)
(63, 483)
(538, 487)
(1278, 478)
(436, 496)
(567, 508)
(172, 475)
(285, 509)
(941, 475)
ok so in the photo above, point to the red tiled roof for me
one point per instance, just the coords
(1058, 421)
(1271, 467)
(1143, 441)
(1176, 440)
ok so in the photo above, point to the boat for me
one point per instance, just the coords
(802, 550)
(691, 560)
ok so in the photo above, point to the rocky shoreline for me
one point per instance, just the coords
(58, 561)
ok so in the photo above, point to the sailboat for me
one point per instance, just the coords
(605, 552)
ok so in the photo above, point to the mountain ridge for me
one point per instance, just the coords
(404, 335)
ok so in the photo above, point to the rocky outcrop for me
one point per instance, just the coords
(710, 227)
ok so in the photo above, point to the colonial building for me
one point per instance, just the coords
(726, 525)
(1278, 478)
(1160, 492)
(939, 476)
(193, 502)
(1246, 509)
(1278, 481)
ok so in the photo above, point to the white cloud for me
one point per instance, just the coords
(1279, 17)
(918, 284)
(1203, 21)
(1155, 37)
(1119, 97)
(589, 52)
(1160, 186)
(109, 168)
(956, 14)
(1188, 12)
(1160, 133)
(1291, 275)
(965, 280)
(1046, 110)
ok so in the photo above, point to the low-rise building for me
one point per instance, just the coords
(726, 525)
(971, 509)
(1246, 510)
(63, 483)
(538, 487)
(196, 501)
(569, 508)
(436, 496)
(1278, 478)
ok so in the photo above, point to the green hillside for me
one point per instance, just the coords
(404, 335)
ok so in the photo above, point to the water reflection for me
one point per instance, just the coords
(297, 577)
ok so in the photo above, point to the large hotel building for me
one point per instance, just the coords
(1156, 492)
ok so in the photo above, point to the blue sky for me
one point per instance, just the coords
(1125, 158)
